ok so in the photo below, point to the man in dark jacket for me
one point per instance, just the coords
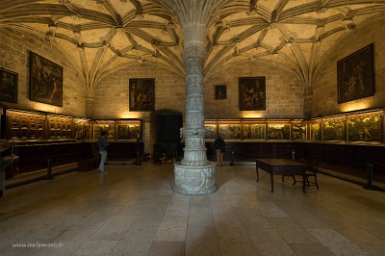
(220, 148)
(102, 145)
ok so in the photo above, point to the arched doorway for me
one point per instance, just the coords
(166, 125)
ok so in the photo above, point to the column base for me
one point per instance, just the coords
(195, 180)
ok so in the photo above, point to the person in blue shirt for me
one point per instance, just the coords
(102, 145)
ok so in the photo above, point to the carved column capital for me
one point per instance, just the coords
(194, 51)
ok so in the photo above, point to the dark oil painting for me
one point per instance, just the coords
(220, 92)
(252, 93)
(141, 94)
(46, 81)
(356, 75)
(8, 85)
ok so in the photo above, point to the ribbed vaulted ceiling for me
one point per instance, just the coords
(100, 36)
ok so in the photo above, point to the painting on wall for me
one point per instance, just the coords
(356, 75)
(231, 131)
(278, 131)
(298, 131)
(107, 126)
(256, 131)
(141, 96)
(82, 129)
(220, 92)
(315, 130)
(333, 129)
(211, 130)
(252, 93)
(46, 81)
(366, 128)
(129, 130)
(8, 85)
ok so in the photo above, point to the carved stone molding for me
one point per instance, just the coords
(195, 180)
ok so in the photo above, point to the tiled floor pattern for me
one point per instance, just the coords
(133, 211)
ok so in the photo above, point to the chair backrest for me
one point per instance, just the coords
(312, 166)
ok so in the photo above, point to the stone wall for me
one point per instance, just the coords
(284, 91)
(111, 96)
(14, 56)
(325, 91)
(284, 94)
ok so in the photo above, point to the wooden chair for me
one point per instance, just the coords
(311, 170)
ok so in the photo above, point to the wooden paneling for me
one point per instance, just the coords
(352, 159)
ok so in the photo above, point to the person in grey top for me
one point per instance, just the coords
(102, 145)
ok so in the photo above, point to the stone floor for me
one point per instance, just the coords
(132, 210)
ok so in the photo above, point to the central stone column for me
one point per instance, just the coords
(194, 174)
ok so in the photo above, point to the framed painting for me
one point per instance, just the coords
(254, 131)
(366, 127)
(298, 131)
(220, 92)
(356, 75)
(82, 129)
(211, 130)
(334, 129)
(106, 125)
(46, 80)
(229, 130)
(129, 130)
(8, 85)
(315, 130)
(252, 93)
(141, 94)
(278, 131)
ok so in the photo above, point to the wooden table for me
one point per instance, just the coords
(284, 167)
(4, 162)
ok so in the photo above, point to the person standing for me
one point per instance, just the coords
(220, 148)
(102, 145)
